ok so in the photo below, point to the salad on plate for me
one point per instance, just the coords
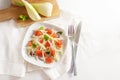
(45, 45)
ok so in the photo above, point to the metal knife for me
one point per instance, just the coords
(76, 41)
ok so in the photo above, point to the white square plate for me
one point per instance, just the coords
(27, 37)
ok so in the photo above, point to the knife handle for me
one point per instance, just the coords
(75, 50)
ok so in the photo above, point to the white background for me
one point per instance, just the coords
(99, 52)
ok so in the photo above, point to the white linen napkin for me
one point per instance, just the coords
(11, 61)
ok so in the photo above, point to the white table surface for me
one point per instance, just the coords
(99, 52)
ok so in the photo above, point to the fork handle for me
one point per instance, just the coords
(73, 58)
(72, 61)
(75, 53)
(73, 64)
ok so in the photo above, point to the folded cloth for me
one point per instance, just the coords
(11, 60)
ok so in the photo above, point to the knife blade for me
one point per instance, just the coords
(77, 34)
(76, 41)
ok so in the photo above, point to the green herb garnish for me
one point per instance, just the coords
(23, 17)
(34, 45)
(59, 32)
(46, 37)
(41, 28)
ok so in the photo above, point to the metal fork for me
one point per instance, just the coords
(71, 38)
